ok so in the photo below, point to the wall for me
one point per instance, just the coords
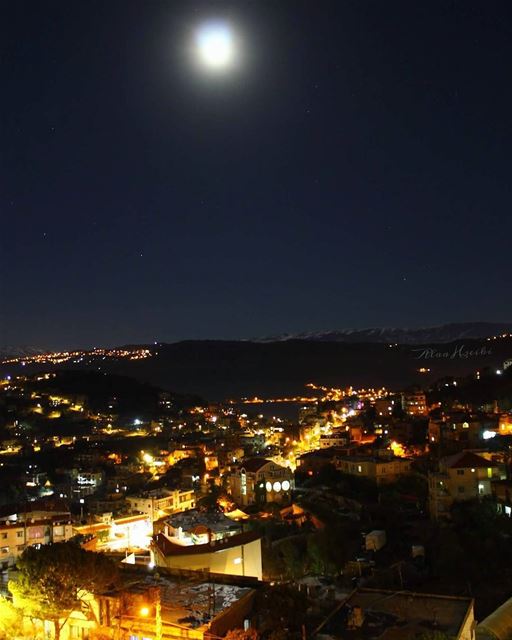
(221, 561)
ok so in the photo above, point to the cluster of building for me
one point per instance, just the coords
(174, 492)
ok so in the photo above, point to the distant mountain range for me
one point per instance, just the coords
(9, 351)
(270, 367)
(392, 335)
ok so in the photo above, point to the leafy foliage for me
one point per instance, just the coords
(55, 580)
(11, 620)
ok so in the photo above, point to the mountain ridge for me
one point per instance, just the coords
(436, 334)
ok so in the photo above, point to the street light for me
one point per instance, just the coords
(81, 509)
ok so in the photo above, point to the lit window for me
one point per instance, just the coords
(237, 561)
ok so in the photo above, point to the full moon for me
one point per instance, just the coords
(215, 45)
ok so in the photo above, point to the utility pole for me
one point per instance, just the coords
(158, 615)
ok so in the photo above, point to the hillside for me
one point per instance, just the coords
(231, 369)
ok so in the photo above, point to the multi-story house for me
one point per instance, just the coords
(384, 407)
(374, 468)
(15, 536)
(414, 403)
(159, 503)
(468, 429)
(259, 480)
(338, 438)
(463, 476)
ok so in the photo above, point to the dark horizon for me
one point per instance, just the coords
(352, 170)
(450, 332)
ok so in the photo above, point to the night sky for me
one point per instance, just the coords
(352, 169)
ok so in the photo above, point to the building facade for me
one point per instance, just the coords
(15, 537)
(414, 403)
(463, 476)
(258, 480)
(238, 554)
(157, 504)
(378, 470)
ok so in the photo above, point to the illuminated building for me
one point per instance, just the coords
(463, 476)
(16, 535)
(88, 482)
(197, 527)
(40, 522)
(159, 606)
(258, 480)
(384, 406)
(468, 429)
(378, 470)
(159, 503)
(121, 534)
(338, 438)
(238, 554)
(414, 403)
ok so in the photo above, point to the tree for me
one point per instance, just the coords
(11, 620)
(281, 609)
(292, 556)
(55, 580)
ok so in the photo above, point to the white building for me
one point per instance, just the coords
(159, 503)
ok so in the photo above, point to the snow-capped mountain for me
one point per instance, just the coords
(9, 351)
(423, 335)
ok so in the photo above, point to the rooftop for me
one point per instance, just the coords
(466, 460)
(34, 522)
(194, 520)
(252, 465)
(191, 602)
(374, 613)
(48, 504)
(157, 494)
(169, 548)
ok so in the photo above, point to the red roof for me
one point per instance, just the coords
(254, 464)
(168, 548)
(468, 460)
